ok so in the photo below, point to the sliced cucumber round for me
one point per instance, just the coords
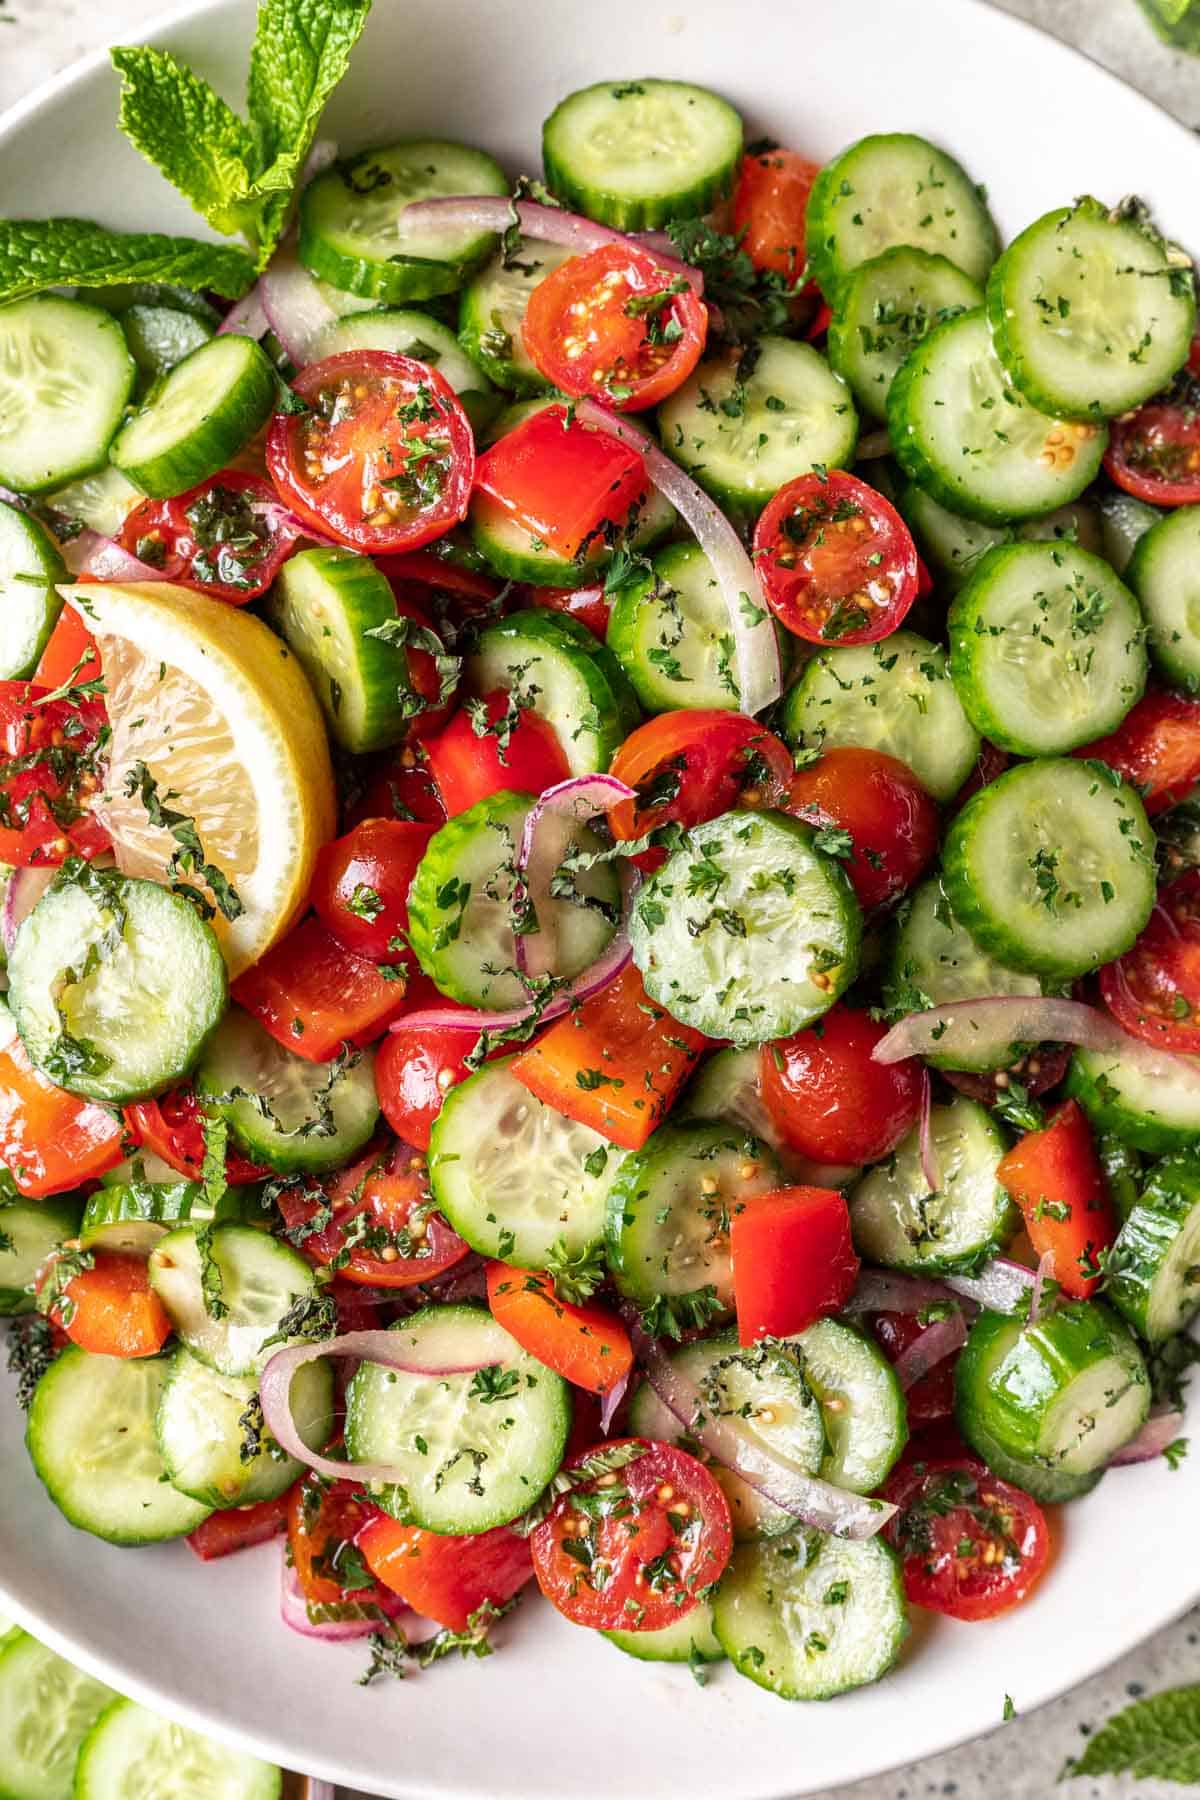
(65, 378)
(161, 336)
(403, 332)
(1164, 573)
(211, 1435)
(866, 1420)
(492, 311)
(1154, 1108)
(30, 1230)
(103, 500)
(571, 681)
(885, 308)
(950, 544)
(131, 1218)
(690, 1639)
(196, 419)
(47, 1708)
(727, 1087)
(509, 549)
(29, 604)
(135, 1753)
(1154, 1275)
(669, 630)
(226, 1290)
(1124, 522)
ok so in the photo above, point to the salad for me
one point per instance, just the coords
(603, 909)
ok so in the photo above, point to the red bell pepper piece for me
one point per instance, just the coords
(1055, 1177)
(445, 1578)
(793, 1260)
(50, 1140)
(313, 996)
(238, 1528)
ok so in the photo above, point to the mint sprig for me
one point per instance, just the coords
(1154, 1739)
(40, 253)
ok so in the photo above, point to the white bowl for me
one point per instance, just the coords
(560, 1713)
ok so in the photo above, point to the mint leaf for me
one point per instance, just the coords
(301, 51)
(41, 253)
(1156, 1738)
(186, 130)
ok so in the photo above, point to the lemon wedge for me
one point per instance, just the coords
(220, 713)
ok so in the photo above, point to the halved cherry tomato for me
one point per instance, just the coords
(70, 655)
(615, 324)
(383, 1215)
(584, 1343)
(590, 605)
(427, 569)
(383, 458)
(228, 537)
(836, 560)
(360, 886)
(415, 1068)
(51, 770)
(646, 1547)
(400, 787)
(931, 1397)
(1039, 1070)
(972, 1546)
(238, 1528)
(323, 1522)
(173, 1127)
(689, 767)
(313, 996)
(1055, 1177)
(110, 1309)
(891, 820)
(1153, 991)
(422, 687)
(446, 1578)
(793, 1260)
(51, 1140)
(769, 208)
(1156, 747)
(1154, 453)
(562, 480)
(828, 1100)
(493, 744)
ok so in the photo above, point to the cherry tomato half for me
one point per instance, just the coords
(399, 787)
(836, 560)
(769, 209)
(891, 821)
(1156, 747)
(972, 1546)
(1153, 991)
(615, 324)
(361, 882)
(383, 457)
(415, 1068)
(51, 768)
(173, 1127)
(323, 1520)
(590, 605)
(691, 766)
(383, 1215)
(827, 1098)
(932, 1396)
(227, 537)
(492, 744)
(1154, 454)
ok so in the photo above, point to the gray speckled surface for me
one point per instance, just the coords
(1021, 1762)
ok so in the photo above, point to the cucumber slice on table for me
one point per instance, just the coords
(133, 1752)
(403, 332)
(65, 378)
(161, 336)
(888, 189)
(1154, 1270)
(1088, 314)
(690, 1639)
(29, 1231)
(1154, 1108)
(91, 1440)
(900, 1224)
(515, 1177)
(1164, 573)
(895, 696)
(115, 984)
(352, 234)
(1046, 649)
(748, 931)
(132, 1217)
(197, 417)
(884, 310)
(961, 431)
(636, 154)
(214, 1445)
(473, 1451)
(747, 422)
(1046, 1405)
(1051, 867)
(29, 605)
(492, 311)
(810, 1616)
(669, 630)
(47, 1708)
(571, 680)
(513, 552)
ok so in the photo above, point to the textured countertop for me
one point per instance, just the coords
(1022, 1761)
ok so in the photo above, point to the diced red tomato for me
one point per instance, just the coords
(415, 1068)
(360, 886)
(561, 480)
(615, 1063)
(1055, 1177)
(827, 1098)
(1154, 453)
(672, 1520)
(769, 209)
(1156, 747)
(111, 1309)
(313, 996)
(172, 1126)
(590, 605)
(931, 1397)
(445, 1578)
(384, 1214)
(617, 325)
(836, 560)
(1041, 1069)
(1153, 991)
(891, 820)
(51, 770)
(690, 767)
(491, 745)
(70, 655)
(228, 537)
(239, 1528)
(584, 1343)
(401, 787)
(51, 1140)
(323, 1525)
(793, 1260)
(972, 1546)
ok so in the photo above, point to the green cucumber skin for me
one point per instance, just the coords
(1108, 1112)
(1049, 1487)
(215, 439)
(1175, 650)
(31, 547)
(844, 343)
(612, 703)
(109, 339)
(1122, 1166)
(52, 1220)
(1145, 1243)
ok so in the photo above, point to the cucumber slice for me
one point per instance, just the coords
(667, 1223)
(492, 312)
(935, 961)
(115, 984)
(515, 554)
(284, 1111)
(888, 189)
(404, 332)
(1088, 314)
(1046, 648)
(198, 417)
(1055, 1399)
(142, 1168)
(47, 1708)
(65, 378)
(810, 1616)
(747, 931)
(1124, 522)
(473, 1452)
(212, 1439)
(636, 154)
(748, 422)
(29, 1231)
(134, 1217)
(895, 696)
(29, 605)
(951, 545)
(1154, 1271)
(1051, 867)
(866, 1420)
(727, 1087)
(960, 430)
(1155, 1111)
(103, 500)
(1123, 1173)
(573, 682)
(1078, 523)
(466, 903)
(669, 630)
(898, 1223)
(885, 308)
(123, 295)
(226, 1291)
(91, 1441)
(513, 1176)
(133, 1752)
(687, 1640)
(161, 336)
(1163, 574)
(352, 233)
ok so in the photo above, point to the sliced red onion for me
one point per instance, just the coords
(943, 1338)
(294, 306)
(1041, 1275)
(890, 1290)
(929, 1164)
(610, 1400)
(760, 677)
(1159, 1430)
(549, 224)
(1002, 1285)
(996, 1023)
(90, 554)
(248, 318)
(322, 154)
(545, 840)
(872, 446)
(25, 889)
(339, 1624)
(816, 1503)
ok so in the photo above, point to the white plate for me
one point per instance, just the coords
(559, 1713)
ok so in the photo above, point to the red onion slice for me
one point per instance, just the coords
(87, 553)
(929, 1164)
(943, 1338)
(1038, 1297)
(339, 1625)
(25, 889)
(760, 676)
(1002, 1286)
(248, 318)
(549, 224)
(890, 1290)
(998, 1022)
(545, 840)
(295, 309)
(1159, 1430)
(610, 1400)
